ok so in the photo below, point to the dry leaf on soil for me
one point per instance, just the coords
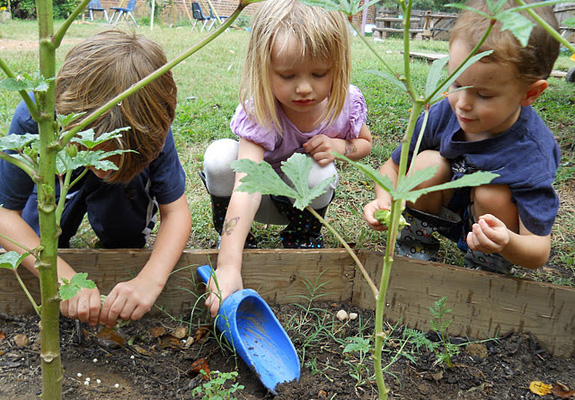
(158, 331)
(540, 388)
(562, 391)
(201, 364)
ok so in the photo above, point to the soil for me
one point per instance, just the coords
(154, 359)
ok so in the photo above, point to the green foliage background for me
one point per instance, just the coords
(26, 9)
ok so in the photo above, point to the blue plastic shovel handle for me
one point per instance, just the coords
(250, 326)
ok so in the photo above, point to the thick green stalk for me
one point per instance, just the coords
(52, 372)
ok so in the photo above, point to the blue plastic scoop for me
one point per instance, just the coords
(250, 326)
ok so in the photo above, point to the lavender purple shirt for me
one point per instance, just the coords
(279, 148)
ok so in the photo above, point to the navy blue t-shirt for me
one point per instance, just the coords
(526, 157)
(121, 215)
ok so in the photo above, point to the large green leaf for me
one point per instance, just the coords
(471, 180)
(372, 173)
(349, 8)
(435, 75)
(11, 259)
(445, 87)
(262, 178)
(517, 24)
(87, 138)
(17, 142)
(27, 83)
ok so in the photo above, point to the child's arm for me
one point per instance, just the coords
(321, 147)
(382, 198)
(490, 235)
(132, 299)
(85, 306)
(238, 222)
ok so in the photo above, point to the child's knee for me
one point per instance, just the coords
(432, 158)
(495, 200)
(219, 176)
(492, 197)
(317, 175)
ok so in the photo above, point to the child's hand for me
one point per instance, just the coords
(369, 211)
(228, 281)
(85, 306)
(129, 301)
(321, 148)
(488, 235)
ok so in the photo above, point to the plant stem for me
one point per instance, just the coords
(52, 371)
(37, 308)
(349, 250)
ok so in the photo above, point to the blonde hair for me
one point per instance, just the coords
(532, 62)
(319, 34)
(102, 67)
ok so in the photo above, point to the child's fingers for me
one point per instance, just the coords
(213, 304)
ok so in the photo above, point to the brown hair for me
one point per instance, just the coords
(319, 33)
(532, 62)
(102, 67)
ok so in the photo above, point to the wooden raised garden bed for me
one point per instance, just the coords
(483, 304)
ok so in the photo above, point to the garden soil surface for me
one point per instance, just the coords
(159, 358)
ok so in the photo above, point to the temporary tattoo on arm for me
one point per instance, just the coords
(349, 148)
(229, 225)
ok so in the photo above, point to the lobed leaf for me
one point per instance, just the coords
(261, 177)
(471, 180)
(12, 260)
(18, 142)
(88, 140)
(517, 24)
(78, 282)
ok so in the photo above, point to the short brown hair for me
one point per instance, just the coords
(105, 65)
(319, 33)
(532, 62)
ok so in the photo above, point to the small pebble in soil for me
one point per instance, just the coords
(79, 375)
(95, 360)
(117, 385)
(98, 381)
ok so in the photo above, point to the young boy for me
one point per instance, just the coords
(489, 126)
(121, 205)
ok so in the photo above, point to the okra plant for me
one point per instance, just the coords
(262, 178)
(55, 153)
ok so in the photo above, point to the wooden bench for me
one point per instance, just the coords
(382, 33)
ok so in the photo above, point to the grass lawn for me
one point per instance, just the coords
(207, 97)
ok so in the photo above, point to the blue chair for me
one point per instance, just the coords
(96, 6)
(215, 18)
(124, 12)
(206, 21)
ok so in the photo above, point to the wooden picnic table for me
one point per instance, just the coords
(437, 26)
(386, 25)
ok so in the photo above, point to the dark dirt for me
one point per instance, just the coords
(155, 362)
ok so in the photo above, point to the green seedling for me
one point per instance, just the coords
(215, 388)
(358, 349)
(439, 323)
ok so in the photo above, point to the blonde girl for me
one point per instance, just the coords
(295, 96)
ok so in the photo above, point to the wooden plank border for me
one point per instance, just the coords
(483, 304)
